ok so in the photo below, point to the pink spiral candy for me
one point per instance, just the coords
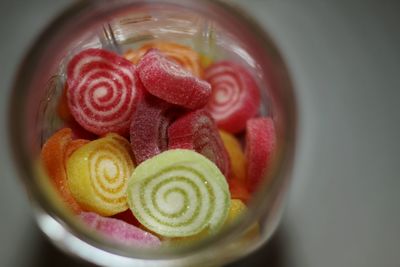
(235, 97)
(102, 91)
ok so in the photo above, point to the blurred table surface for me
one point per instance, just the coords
(343, 208)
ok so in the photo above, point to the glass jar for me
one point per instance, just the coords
(213, 28)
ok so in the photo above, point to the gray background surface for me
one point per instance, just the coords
(343, 207)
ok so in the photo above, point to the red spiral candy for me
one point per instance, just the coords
(102, 91)
(235, 96)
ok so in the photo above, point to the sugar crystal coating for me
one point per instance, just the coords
(260, 148)
(196, 130)
(167, 80)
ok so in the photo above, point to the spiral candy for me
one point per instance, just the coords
(102, 91)
(98, 173)
(235, 97)
(179, 193)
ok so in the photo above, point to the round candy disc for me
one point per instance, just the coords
(235, 97)
(102, 91)
(98, 173)
(179, 193)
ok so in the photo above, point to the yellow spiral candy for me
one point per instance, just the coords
(98, 173)
(179, 193)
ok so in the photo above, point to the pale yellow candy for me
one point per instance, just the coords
(98, 174)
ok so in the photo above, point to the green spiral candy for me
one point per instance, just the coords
(179, 193)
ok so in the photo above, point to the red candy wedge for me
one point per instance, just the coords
(260, 147)
(169, 81)
(197, 131)
(102, 91)
(149, 127)
(120, 231)
(127, 216)
(235, 96)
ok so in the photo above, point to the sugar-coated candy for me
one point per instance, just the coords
(235, 96)
(181, 54)
(102, 91)
(149, 125)
(179, 193)
(196, 130)
(236, 155)
(120, 231)
(260, 147)
(53, 159)
(238, 190)
(167, 80)
(98, 174)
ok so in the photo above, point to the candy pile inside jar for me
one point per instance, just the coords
(158, 148)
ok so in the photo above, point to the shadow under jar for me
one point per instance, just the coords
(214, 29)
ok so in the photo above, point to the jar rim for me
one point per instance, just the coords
(27, 169)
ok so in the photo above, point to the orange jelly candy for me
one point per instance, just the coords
(183, 55)
(53, 159)
(236, 155)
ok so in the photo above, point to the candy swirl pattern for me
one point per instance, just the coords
(98, 173)
(235, 97)
(179, 193)
(102, 91)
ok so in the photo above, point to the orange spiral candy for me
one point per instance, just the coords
(53, 160)
(98, 173)
(183, 55)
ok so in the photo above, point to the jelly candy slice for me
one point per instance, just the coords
(179, 193)
(120, 231)
(260, 146)
(53, 159)
(196, 130)
(235, 96)
(169, 81)
(185, 56)
(236, 155)
(102, 91)
(149, 128)
(72, 146)
(98, 173)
